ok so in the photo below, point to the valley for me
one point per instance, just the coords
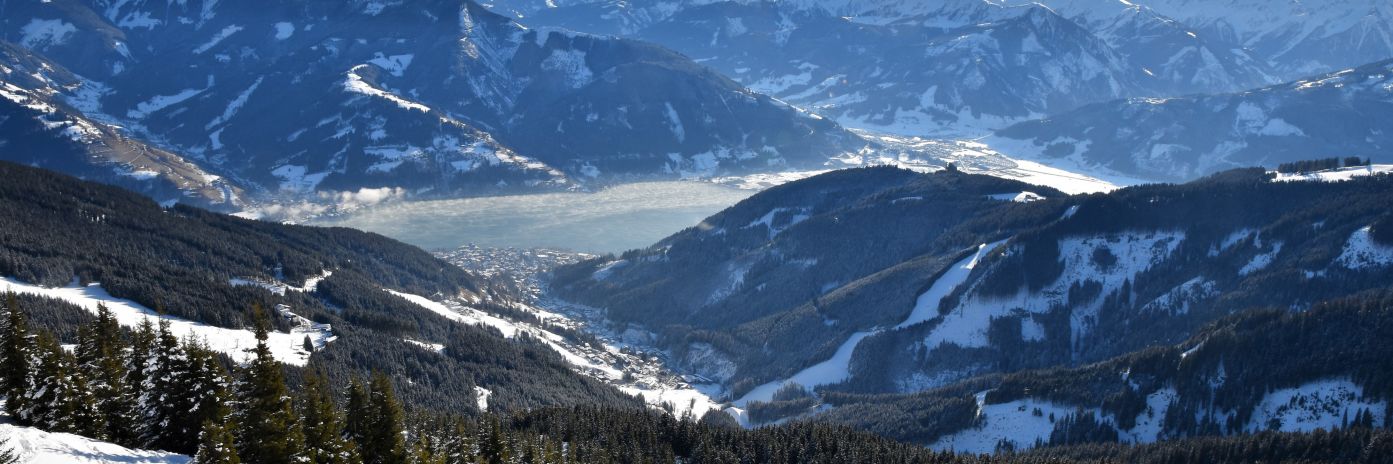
(696, 231)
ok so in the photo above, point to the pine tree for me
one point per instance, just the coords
(100, 354)
(267, 427)
(424, 451)
(381, 433)
(87, 419)
(161, 392)
(54, 403)
(462, 444)
(17, 352)
(359, 415)
(137, 362)
(325, 441)
(216, 445)
(201, 392)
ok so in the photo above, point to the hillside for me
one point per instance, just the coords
(1261, 370)
(79, 243)
(882, 281)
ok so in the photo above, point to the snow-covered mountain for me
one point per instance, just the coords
(43, 122)
(881, 281)
(1296, 37)
(438, 98)
(1176, 59)
(955, 68)
(1346, 113)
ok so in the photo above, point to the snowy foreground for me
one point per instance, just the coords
(39, 447)
(236, 343)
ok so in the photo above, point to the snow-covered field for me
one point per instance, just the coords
(287, 347)
(1333, 175)
(1361, 251)
(1021, 422)
(34, 446)
(1324, 404)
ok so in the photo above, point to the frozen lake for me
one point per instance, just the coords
(609, 221)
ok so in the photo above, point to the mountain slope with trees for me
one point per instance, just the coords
(187, 262)
(783, 280)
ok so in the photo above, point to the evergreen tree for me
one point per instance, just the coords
(359, 415)
(325, 440)
(201, 392)
(267, 427)
(55, 400)
(17, 353)
(100, 354)
(137, 360)
(424, 451)
(381, 435)
(161, 393)
(215, 445)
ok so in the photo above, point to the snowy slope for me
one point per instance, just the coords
(967, 324)
(1297, 37)
(237, 344)
(320, 98)
(36, 446)
(838, 367)
(1323, 404)
(1344, 113)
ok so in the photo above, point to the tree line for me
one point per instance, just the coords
(1323, 164)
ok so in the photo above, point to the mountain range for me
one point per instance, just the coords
(333, 96)
(829, 293)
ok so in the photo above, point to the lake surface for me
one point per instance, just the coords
(609, 221)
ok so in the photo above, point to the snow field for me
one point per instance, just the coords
(36, 446)
(236, 343)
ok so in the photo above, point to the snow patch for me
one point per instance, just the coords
(1324, 404)
(571, 65)
(1362, 252)
(608, 269)
(966, 325)
(284, 30)
(237, 344)
(1179, 299)
(34, 446)
(41, 33)
(481, 397)
(217, 38)
(1022, 197)
(355, 84)
(234, 106)
(1333, 175)
(160, 102)
(395, 65)
(1261, 261)
(1015, 421)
